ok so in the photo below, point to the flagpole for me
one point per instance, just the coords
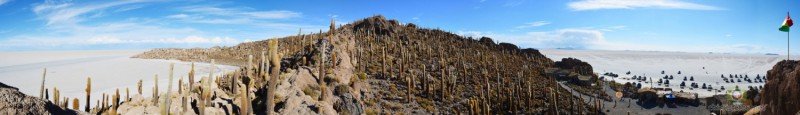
(787, 46)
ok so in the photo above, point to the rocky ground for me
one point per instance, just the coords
(374, 66)
(781, 93)
(13, 102)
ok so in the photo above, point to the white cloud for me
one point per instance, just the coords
(473, 34)
(533, 24)
(235, 15)
(178, 16)
(68, 13)
(572, 38)
(186, 40)
(280, 14)
(633, 4)
(135, 32)
(242, 12)
(4, 2)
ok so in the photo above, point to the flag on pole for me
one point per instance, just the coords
(786, 24)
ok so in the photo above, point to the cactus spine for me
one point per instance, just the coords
(41, 90)
(88, 92)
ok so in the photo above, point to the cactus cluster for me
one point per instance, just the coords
(491, 77)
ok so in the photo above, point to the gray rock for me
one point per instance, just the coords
(13, 102)
(348, 105)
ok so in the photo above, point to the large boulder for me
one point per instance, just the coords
(781, 93)
(347, 104)
(575, 65)
(486, 41)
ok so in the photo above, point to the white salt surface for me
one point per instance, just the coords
(650, 65)
(109, 70)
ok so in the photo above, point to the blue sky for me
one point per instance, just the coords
(726, 26)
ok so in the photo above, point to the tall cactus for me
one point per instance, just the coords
(275, 58)
(113, 109)
(410, 80)
(88, 92)
(139, 85)
(41, 90)
(262, 66)
(165, 105)
(383, 61)
(55, 95)
(191, 76)
(206, 86)
(249, 66)
(104, 101)
(180, 85)
(155, 91)
(65, 105)
(332, 31)
(116, 97)
(322, 69)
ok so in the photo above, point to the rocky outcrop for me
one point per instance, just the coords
(781, 94)
(486, 41)
(13, 102)
(575, 65)
(347, 104)
(375, 59)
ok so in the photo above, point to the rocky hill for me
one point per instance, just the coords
(781, 93)
(376, 65)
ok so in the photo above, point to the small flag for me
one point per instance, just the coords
(786, 24)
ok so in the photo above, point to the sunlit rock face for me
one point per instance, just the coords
(781, 94)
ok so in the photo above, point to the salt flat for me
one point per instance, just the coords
(109, 70)
(706, 68)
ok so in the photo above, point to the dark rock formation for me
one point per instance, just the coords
(575, 65)
(508, 47)
(347, 105)
(13, 102)
(486, 41)
(781, 93)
